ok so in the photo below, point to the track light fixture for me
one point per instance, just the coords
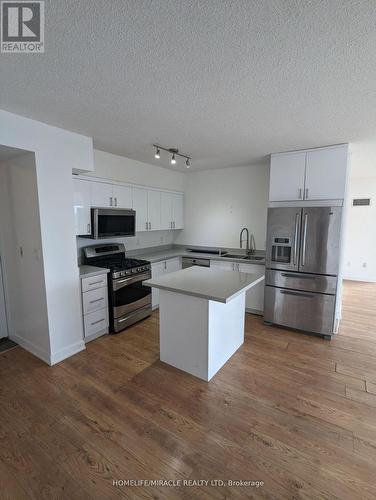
(174, 153)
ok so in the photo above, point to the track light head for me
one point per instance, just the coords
(173, 161)
(188, 163)
(157, 154)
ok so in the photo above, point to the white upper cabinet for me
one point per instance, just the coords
(287, 174)
(317, 174)
(172, 211)
(140, 205)
(154, 210)
(166, 210)
(326, 174)
(177, 211)
(122, 196)
(101, 194)
(81, 206)
(147, 204)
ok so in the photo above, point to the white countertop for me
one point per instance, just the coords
(88, 271)
(206, 283)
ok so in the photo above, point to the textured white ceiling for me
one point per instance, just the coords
(226, 81)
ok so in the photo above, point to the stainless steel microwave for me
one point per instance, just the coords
(110, 222)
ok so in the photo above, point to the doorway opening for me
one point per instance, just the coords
(23, 305)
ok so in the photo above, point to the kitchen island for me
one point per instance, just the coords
(201, 317)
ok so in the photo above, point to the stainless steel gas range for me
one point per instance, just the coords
(129, 300)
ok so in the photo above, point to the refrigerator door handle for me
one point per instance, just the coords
(304, 238)
(298, 294)
(295, 256)
(300, 276)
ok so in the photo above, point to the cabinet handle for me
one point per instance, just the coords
(110, 201)
(96, 322)
(306, 193)
(165, 265)
(300, 194)
(146, 225)
(95, 282)
(96, 300)
(149, 225)
(115, 201)
(88, 229)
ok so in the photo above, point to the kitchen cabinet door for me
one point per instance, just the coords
(287, 175)
(122, 196)
(223, 266)
(166, 210)
(101, 194)
(254, 298)
(81, 206)
(173, 265)
(177, 211)
(326, 174)
(157, 269)
(140, 205)
(154, 210)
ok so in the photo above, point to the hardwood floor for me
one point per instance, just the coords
(291, 410)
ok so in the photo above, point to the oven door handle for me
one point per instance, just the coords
(120, 283)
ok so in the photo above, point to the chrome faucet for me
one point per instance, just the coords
(249, 249)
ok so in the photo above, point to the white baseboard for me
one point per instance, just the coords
(371, 279)
(29, 346)
(67, 352)
(50, 359)
(254, 311)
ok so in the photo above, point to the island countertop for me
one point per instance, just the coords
(204, 283)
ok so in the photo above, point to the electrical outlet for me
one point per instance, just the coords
(348, 263)
(364, 264)
(137, 242)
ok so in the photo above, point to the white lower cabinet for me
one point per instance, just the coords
(95, 306)
(254, 299)
(160, 268)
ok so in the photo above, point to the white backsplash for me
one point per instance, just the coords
(141, 240)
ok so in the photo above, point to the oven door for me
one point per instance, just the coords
(129, 294)
(110, 222)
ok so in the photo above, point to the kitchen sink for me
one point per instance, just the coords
(242, 256)
(234, 256)
(254, 257)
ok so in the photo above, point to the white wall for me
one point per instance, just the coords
(120, 168)
(23, 272)
(57, 152)
(219, 203)
(360, 232)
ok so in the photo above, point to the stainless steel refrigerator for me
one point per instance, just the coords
(302, 265)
